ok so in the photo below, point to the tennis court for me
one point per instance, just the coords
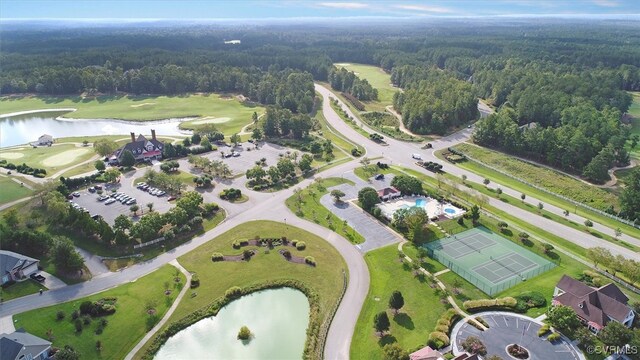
(487, 260)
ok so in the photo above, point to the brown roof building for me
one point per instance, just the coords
(594, 306)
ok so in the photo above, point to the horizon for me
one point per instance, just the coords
(286, 10)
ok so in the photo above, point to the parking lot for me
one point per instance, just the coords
(247, 159)
(109, 212)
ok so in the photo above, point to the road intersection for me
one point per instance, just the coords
(271, 206)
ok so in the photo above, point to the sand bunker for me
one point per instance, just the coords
(143, 104)
(64, 158)
(342, 64)
(211, 121)
(11, 155)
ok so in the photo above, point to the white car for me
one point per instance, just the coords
(416, 156)
(131, 202)
(110, 201)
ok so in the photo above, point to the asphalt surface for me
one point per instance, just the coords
(270, 206)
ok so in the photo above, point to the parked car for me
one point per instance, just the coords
(92, 189)
(161, 193)
(235, 154)
(103, 198)
(70, 197)
(131, 201)
(416, 156)
(110, 201)
(76, 194)
(37, 277)
(379, 177)
(171, 198)
(98, 187)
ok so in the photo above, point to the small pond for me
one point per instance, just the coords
(23, 129)
(278, 319)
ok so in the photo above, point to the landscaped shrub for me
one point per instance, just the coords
(474, 345)
(210, 208)
(86, 307)
(217, 256)
(544, 330)
(506, 303)
(195, 281)
(247, 254)
(286, 254)
(78, 325)
(300, 245)
(529, 299)
(438, 340)
(86, 319)
(60, 315)
(553, 337)
(233, 292)
(310, 260)
(75, 314)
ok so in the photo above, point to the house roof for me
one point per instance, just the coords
(426, 353)
(10, 261)
(388, 191)
(466, 356)
(595, 305)
(138, 147)
(21, 343)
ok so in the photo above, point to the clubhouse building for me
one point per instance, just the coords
(594, 306)
(143, 149)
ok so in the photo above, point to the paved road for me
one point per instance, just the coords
(261, 206)
(399, 153)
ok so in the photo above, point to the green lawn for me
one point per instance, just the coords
(21, 289)
(329, 133)
(228, 114)
(11, 190)
(125, 328)
(571, 186)
(216, 277)
(379, 79)
(417, 318)
(307, 206)
(52, 159)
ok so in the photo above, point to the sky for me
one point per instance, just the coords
(295, 9)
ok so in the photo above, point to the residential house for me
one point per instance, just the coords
(426, 353)
(594, 306)
(143, 149)
(44, 140)
(16, 267)
(20, 345)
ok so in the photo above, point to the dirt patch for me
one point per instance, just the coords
(151, 311)
(292, 258)
(143, 104)
(64, 158)
(11, 155)
(219, 120)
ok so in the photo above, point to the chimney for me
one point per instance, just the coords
(153, 134)
(133, 137)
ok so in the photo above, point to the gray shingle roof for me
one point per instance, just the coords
(10, 261)
(20, 343)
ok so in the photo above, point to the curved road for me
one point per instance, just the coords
(399, 153)
(271, 206)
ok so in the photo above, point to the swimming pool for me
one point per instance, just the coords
(421, 202)
(449, 211)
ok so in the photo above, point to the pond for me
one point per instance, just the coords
(22, 129)
(277, 318)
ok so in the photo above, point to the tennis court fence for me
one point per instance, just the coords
(483, 284)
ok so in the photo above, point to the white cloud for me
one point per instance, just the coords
(424, 8)
(606, 3)
(344, 5)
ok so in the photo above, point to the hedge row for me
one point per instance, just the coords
(23, 169)
(313, 345)
(506, 303)
(439, 338)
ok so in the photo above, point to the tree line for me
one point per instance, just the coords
(347, 81)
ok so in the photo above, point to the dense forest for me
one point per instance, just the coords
(560, 85)
(347, 81)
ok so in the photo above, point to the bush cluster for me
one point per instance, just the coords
(233, 292)
(310, 260)
(355, 152)
(195, 281)
(23, 169)
(553, 337)
(300, 245)
(237, 244)
(506, 303)
(102, 307)
(439, 338)
(528, 300)
(544, 330)
(231, 194)
(217, 256)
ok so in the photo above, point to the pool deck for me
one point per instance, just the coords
(431, 206)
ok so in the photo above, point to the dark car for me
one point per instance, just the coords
(37, 277)
(70, 197)
(379, 177)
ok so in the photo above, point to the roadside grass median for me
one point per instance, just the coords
(131, 321)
